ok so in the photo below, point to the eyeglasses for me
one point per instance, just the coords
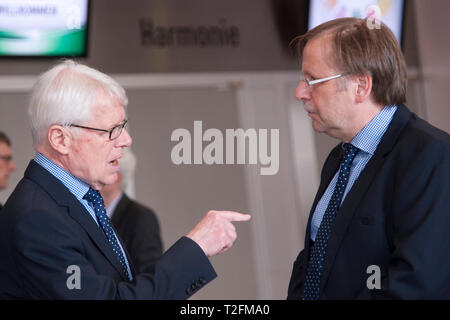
(6, 158)
(311, 83)
(114, 132)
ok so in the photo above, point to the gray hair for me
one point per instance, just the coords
(65, 94)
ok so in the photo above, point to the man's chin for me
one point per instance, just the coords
(3, 184)
(113, 178)
(317, 126)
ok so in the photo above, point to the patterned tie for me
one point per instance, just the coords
(95, 198)
(317, 254)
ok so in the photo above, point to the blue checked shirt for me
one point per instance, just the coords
(367, 141)
(76, 186)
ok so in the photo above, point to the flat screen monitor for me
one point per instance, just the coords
(43, 28)
(391, 12)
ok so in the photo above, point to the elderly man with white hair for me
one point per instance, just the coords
(56, 241)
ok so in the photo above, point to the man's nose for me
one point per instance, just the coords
(12, 166)
(302, 92)
(124, 140)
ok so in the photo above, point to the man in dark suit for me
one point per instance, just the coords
(56, 241)
(7, 164)
(136, 224)
(378, 227)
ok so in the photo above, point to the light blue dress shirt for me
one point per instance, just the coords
(77, 187)
(367, 141)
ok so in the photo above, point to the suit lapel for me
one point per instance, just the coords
(95, 232)
(361, 187)
(329, 169)
(63, 197)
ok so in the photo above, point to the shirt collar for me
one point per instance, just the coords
(76, 186)
(369, 137)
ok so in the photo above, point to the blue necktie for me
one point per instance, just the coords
(317, 252)
(95, 198)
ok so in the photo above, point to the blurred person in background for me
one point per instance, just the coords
(7, 164)
(136, 224)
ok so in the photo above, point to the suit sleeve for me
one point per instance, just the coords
(44, 247)
(419, 230)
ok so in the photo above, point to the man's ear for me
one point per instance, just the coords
(59, 139)
(364, 87)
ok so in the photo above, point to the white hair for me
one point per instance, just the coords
(65, 94)
(127, 169)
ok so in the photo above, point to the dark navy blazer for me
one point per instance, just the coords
(44, 230)
(396, 217)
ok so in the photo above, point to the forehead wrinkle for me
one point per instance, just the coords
(105, 109)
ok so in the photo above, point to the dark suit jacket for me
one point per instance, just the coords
(396, 216)
(138, 228)
(44, 229)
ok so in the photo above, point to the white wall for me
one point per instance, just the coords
(433, 42)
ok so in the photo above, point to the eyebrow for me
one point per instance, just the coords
(118, 123)
(307, 73)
